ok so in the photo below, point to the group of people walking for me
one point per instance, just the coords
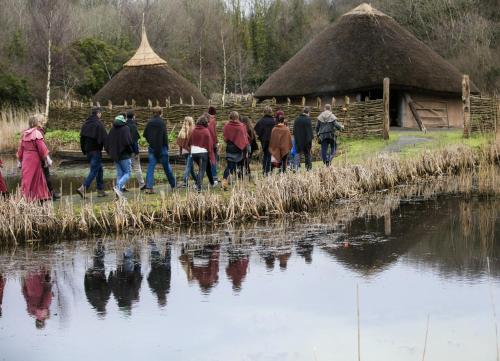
(198, 143)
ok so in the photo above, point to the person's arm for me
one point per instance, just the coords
(317, 127)
(338, 125)
(82, 144)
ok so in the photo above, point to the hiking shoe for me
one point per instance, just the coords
(149, 191)
(81, 191)
(119, 193)
(125, 190)
(143, 187)
(224, 185)
(101, 193)
(56, 196)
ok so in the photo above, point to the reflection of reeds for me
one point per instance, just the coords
(275, 196)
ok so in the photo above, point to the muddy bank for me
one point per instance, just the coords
(272, 197)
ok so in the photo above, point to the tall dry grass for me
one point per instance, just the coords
(275, 196)
(12, 122)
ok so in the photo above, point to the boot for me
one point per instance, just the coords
(81, 191)
(224, 184)
(101, 193)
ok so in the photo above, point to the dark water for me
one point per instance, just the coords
(283, 291)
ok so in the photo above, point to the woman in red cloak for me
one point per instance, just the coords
(31, 154)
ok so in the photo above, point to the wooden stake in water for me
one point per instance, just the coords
(425, 342)
(359, 330)
(493, 308)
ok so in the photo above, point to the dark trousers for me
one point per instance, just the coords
(326, 155)
(46, 173)
(201, 159)
(231, 168)
(266, 159)
(283, 164)
(96, 171)
(307, 158)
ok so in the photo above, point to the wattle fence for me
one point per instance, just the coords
(484, 114)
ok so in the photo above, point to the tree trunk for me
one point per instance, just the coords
(49, 69)
(201, 69)
(224, 68)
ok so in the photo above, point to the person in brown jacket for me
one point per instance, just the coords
(280, 144)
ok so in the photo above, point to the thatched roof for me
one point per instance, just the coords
(355, 54)
(145, 77)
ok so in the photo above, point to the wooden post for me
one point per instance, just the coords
(254, 103)
(288, 101)
(334, 101)
(274, 101)
(414, 111)
(125, 104)
(192, 101)
(133, 103)
(110, 105)
(150, 103)
(303, 101)
(157, 103)
(98, 104)
(387, 223)
(180, 100)
(318, 102)
(387, 119)
(466, 104)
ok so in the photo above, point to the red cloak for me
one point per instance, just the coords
(236, 133)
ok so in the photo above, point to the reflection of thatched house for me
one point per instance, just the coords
(145, 77)
(353, 56)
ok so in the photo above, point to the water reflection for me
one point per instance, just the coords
(202, 265)
(161, 273)
(97, 288)
(237, 268)
(125, 281)
(2, 286)
(37, 291)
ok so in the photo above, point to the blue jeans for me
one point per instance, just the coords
(213, 167)
(189, 170)
(326, 155)
(230, 169)
(123, 172)
(96, 171)
(153, 160)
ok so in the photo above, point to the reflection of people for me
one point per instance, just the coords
(203, 266)
(305, 249)
(96, 285)
(236, 270)
(283, 258)
(160, 275)
(37, 291)
(125, 282)
(2, 286)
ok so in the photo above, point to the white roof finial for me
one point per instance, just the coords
(144, 55)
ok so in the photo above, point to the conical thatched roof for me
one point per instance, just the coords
(145, 77)
(356, 53)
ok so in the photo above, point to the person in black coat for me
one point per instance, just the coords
(120, 148)
(157, 137)
(303, 135)
(263, 129)
(92, 139)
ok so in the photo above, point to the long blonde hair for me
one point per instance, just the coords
(187, 128)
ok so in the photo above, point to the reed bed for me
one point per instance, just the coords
(272, 197)
(12, 122)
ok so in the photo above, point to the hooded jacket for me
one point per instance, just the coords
(119, 144)
(92, 135)
(263, 128)
(327, 125)
(303, 133)
(156, 135)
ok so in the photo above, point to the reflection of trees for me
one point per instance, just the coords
(126, 281)
(96, 285)
(459, 244)
(37, 291)
(160, 274)
(202, 265)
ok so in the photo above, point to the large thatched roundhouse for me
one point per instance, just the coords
(353, 56)
(145, 77)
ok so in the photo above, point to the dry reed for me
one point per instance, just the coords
(12, 122)
(274, 196)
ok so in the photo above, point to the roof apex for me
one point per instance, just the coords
(365, 9)
(144, 55)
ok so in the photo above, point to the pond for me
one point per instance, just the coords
(270, 291)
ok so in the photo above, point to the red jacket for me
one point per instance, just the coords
(212, 128)
(200, 137)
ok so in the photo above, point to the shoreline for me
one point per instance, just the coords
(277, 196)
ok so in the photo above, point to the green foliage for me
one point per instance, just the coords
(14, 90)
(16, 48)
(97, 61)
(63, 137)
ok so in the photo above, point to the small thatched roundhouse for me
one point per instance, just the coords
(353, 56)
(145, 77)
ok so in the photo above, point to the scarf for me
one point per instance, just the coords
(236, 133)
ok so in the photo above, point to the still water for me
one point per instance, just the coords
(277, 291)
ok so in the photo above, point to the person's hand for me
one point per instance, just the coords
(19, 165)
(48, 162)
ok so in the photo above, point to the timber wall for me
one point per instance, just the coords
(361, 119)
(484, 113)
